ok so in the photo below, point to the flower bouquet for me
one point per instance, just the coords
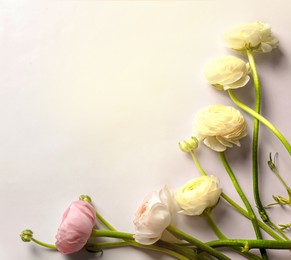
(220, 128)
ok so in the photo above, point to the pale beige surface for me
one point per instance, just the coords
(95, 96)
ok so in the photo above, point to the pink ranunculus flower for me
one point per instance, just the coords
(153, 217)
(76, 227)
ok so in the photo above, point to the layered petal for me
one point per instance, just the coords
(227, 73)
(76, 227)
(219, 127)
(153, 217)
(255, 36)
(197, 195)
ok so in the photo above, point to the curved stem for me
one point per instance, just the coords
(255, 165)
(263, 120)
(237, 207)
(213, 225)
(50, 246)
(280, 136)
(255, 143)
(197, 163)
(199, 244)
(244, 199)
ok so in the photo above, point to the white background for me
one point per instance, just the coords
(95, 96)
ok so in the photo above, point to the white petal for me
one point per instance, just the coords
(266, 47)
(238, 84)
(215, 145)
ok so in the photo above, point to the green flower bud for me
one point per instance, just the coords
(26, 235)
(85, 198)
(189, 144)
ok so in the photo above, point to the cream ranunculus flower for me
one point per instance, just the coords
(197, 195)
(256, 36)
(220, 127)
(227, 73)
(153, 217)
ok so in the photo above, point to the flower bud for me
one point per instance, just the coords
(85, 198)
(227, 73)
(26, 235)
(189, 144)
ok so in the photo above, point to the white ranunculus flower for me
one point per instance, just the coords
(256, 36)
(198, 195)
(153, 217)
(227, 73)
(220, 127)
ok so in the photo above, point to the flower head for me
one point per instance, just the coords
(227, 73)
(76, 227)
(220, 127)
(153, 217)
(255, 36)
(197, 195)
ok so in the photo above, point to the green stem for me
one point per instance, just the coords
(130, 241)
(111, 233)
(213, 225)
(97, 247)
(197, 163)
(273, 167)
(235, 205)
(248, 244)
(255, 143)
(161, 250)
(221, 236)
(263, 120)
(50, 246)
(199, 244)
(186, 251)
(104, 222)
(242, 211)
(244, 199)
(255, 165)
(281, 179)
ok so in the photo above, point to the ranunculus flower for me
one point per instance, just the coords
(227, 73)
(197, 195)
(256, 36)
(220, 127)
(153, 217)
(76, 227)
